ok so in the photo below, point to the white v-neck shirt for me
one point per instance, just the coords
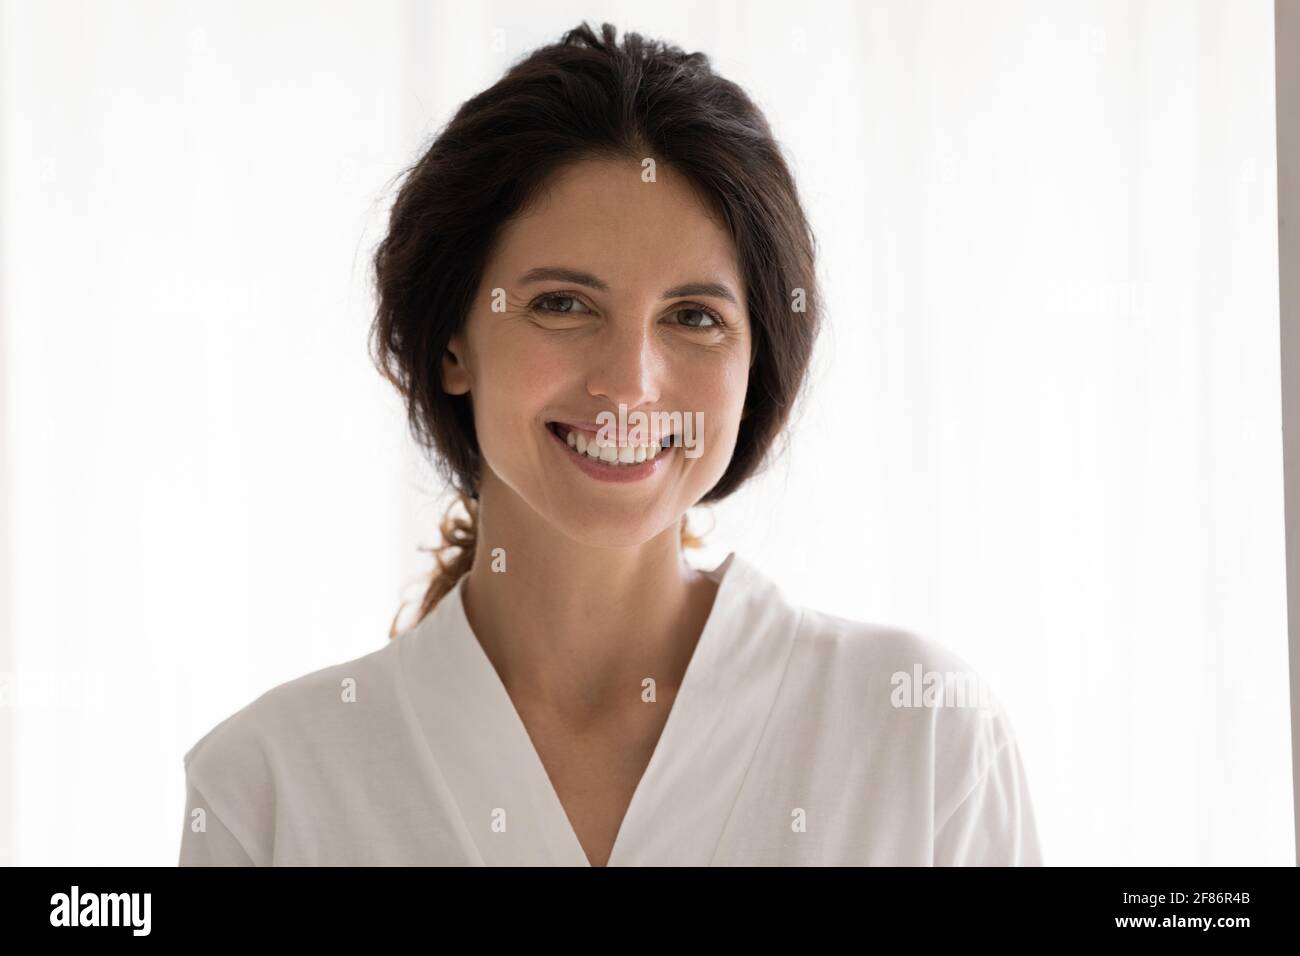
(795, 738)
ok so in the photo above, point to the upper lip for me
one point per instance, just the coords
(592, 428)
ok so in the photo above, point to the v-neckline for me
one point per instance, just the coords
(672, 723)
(684, 795)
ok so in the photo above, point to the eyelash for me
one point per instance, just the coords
(690, 307)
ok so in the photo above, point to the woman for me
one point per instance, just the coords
(608, 232)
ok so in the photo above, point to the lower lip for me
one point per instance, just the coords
(603, 471)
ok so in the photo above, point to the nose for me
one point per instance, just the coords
(626, 366)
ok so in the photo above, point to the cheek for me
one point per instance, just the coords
(721, 398)
(517, 381)
(727, 398)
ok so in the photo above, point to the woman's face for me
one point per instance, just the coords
(538, 349)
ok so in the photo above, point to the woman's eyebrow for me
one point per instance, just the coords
(561, 274)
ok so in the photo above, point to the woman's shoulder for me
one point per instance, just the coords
(277, 752)
(872, 646)
(908, 686)
(912, 703)
(882, 673)
(333, 703)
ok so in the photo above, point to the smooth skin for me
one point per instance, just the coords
(597, 595)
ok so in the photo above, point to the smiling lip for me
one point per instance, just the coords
(602, 471)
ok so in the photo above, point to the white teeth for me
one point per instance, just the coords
(610, 454)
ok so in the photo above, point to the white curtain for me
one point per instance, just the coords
(1044, 430)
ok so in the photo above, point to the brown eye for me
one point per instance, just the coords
(707, 318)
(542, 303)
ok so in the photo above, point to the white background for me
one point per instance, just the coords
(1045, 426)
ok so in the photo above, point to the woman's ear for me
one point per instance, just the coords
(455, 373)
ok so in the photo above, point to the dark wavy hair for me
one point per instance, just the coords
(584, 97)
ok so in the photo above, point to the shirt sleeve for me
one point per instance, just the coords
(206, 840)
(994, 824)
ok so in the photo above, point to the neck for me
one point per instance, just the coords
(575, 628)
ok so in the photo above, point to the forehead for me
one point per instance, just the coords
(600, 217)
